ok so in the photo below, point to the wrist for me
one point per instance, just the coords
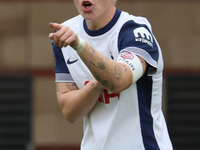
(80, 46)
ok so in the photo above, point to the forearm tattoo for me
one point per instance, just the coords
(57, 87)
(71, 85)
(103, 82)
(90, 48)
(101, 66)
(116, 71)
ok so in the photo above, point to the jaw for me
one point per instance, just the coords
(96, 15)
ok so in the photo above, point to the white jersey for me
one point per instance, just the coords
(132, 119)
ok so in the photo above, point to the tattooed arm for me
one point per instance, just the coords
(112, 75)
(76, 103)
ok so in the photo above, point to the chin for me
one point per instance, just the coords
(88, 17)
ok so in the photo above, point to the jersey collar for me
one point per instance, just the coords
(104, 29)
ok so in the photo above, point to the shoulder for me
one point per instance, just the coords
(136, 36)
(141, 21)
(126, 17)
(130, 27)
(134, 32)
(134, 22)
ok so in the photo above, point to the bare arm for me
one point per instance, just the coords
(112, 75)
(76, 103)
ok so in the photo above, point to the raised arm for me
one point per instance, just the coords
(112, 75)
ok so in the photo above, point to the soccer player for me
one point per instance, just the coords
(109, 72)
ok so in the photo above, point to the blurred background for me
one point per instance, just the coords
(30, 118)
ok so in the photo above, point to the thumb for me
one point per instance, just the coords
(51, 36)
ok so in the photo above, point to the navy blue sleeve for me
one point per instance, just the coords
(139, 38)
(60, 65)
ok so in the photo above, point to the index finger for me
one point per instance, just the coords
(55, 25)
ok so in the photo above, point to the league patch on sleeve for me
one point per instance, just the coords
(127, 55)
(127, 58)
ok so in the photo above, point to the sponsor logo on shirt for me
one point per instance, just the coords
(69, 62)
(143, 35)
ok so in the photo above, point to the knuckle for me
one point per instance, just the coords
(56, 35)
(62, 39)
(65, 28)
(66, 42)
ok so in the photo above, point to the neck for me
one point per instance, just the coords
(102, 20)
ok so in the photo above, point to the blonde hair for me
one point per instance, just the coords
(115, 1)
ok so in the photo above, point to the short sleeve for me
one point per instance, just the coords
(138, 39)
(61, 69)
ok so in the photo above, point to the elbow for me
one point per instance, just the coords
(70, 116)
(117, 90)
(121, 86)
(67, 112)
(70, 119)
